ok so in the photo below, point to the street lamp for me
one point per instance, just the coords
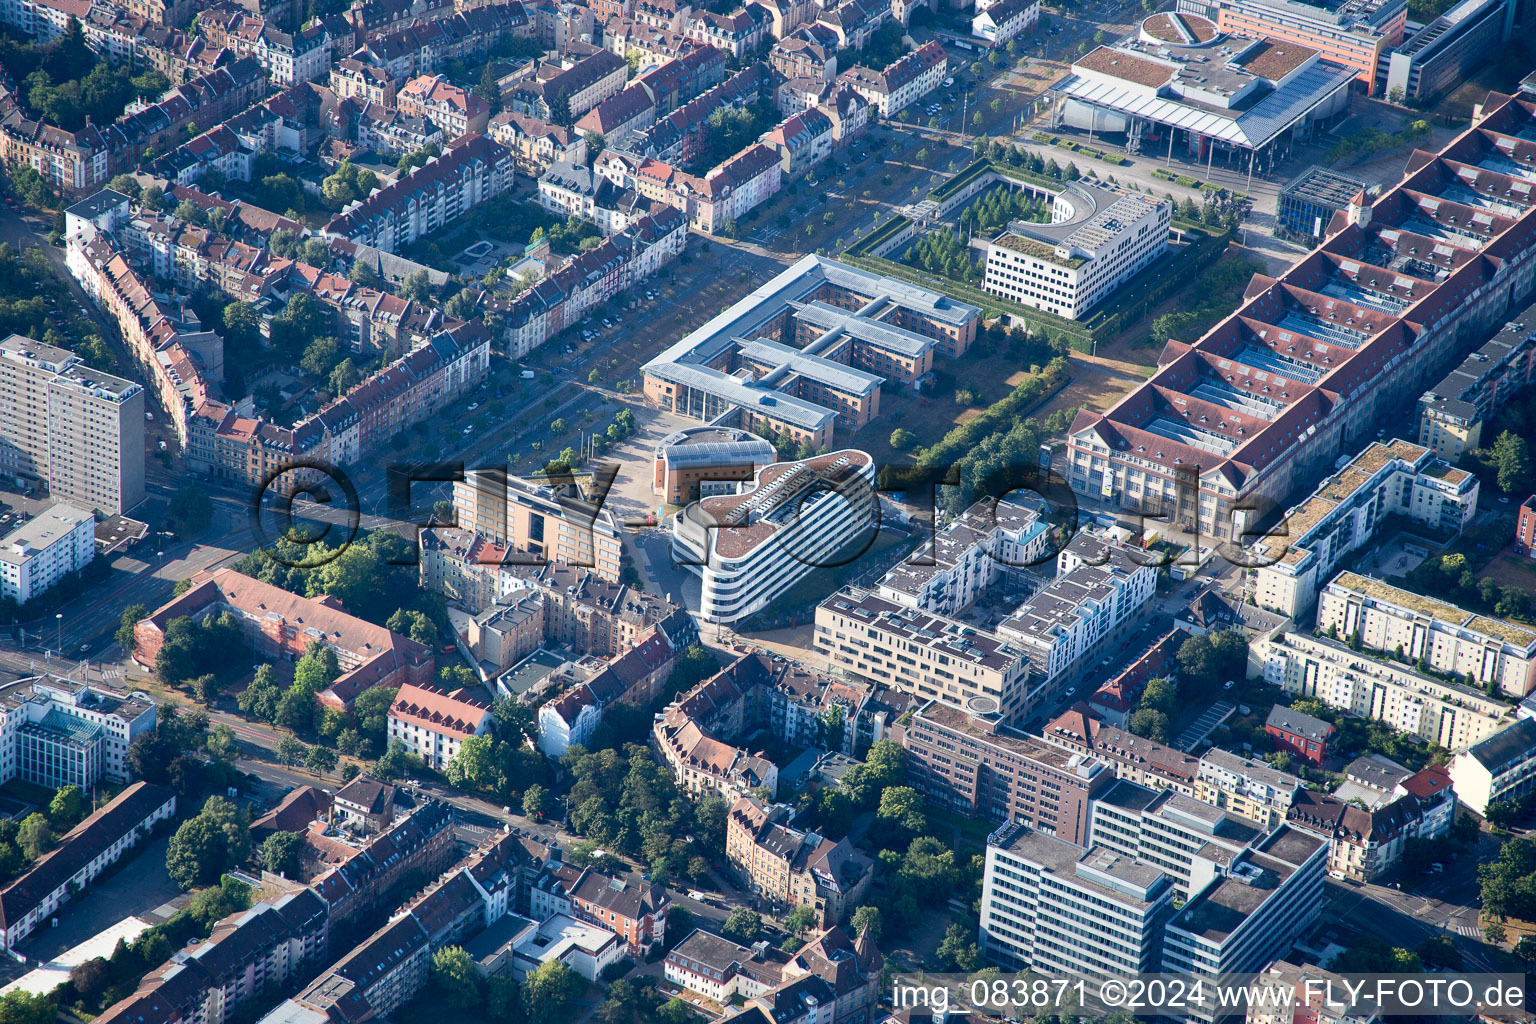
(59, 617)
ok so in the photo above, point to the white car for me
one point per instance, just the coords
(473, 406)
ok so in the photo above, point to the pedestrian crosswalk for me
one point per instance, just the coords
(112, 672)
(1472, 931)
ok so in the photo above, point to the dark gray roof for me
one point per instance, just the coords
(1506, 747)
(1298, 724)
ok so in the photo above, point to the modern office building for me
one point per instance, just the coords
(1253, 913)
(1185, 85)
(807, 351)
(1099, 238)
(1499, 770)
(1344, 513)
(1438, 57)
(540, 522)
(975, 765)
(1373, 686)
(1355, 34)
(60, 539)
(1309, 200)
(1480, 649)
(79, 429)
(1312, 361)
(795, 518)
(1052, 907)
(1452, 413)
(701, 461)
(56, 732)
(1193, 841)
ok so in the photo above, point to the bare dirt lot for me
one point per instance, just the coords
(1512, 570)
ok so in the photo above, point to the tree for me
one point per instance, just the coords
(743, 926)
(957, 951)
(371, 709)
(280, 854)
(132, 615)
(868, 917)
(548, 991)
(66, 807)
(317, 669)
(208, 844)
(320, 759)
(90, 978)
(902, 439)
(1149, 723)
(455, 975)
(900, 816)
(22, 1007)
(291, 750)
(417, 286)
(1525, 949)
(801, 920)
(535, 802)
(1512, 460)
(35, 836)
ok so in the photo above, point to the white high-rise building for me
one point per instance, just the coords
(1053, 907)
(79, 429)
(59, 540)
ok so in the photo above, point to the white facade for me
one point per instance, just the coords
(1344, 513)
(1244, 920)
(1098, 588)
(583, 948)
(795, 518)
(1477, 648)
(1455, 717)
(1501, 769)
(1051, 907)
(968, 557)
(1099, 238)
(37, 554)
(1000, 22)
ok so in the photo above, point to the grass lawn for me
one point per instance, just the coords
(1512, 570)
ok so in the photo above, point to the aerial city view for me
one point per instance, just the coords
(767, 511)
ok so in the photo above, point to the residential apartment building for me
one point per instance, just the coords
(978, 767)
(1052, 907)
(1453, 412)
(1115, 699)
(277, 622)
(999, 23)
(1099, 238)
(540, 522)
(626, 905)
(634, 677)
(246, 953)
(749, 548)
(789, 868)
(471, 170)
(1478, 648)
(931, 657)
(79, 429)
(1499, 770)
(913, 76)
(1334, 323)
(1249, 787)
(57, 732)
(433, 98)
(1525, 528)
(1386, 479)
(537, 145)
(563, 93)
(433, 725)
(59, 540)
(81, 855)
(1373, 686)
(1366, 842)
(972, 555)
(1133, 758)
